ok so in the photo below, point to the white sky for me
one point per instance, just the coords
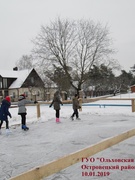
(20, 22)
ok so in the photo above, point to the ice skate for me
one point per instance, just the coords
(25, 128)
(58, 120)
(71, 118)
(8, 132)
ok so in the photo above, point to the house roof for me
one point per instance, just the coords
(8, 74)
(20, 75)
(133, 85)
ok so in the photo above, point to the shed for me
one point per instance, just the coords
(132, 88)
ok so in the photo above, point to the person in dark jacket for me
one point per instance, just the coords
(75, 105)
(4, 113)
(56, 104)
(22, 111)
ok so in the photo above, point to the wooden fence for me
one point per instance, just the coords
(41, 172)
(91, 100)
(81, 101)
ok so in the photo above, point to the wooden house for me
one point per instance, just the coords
(132, 88)
(14, 83)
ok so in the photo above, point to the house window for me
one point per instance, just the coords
(1, 83)
(13, 94)
(4, 83)
(38, 93)
(0, 93)
(32, 80)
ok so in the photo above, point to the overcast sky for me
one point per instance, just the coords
(20, 22)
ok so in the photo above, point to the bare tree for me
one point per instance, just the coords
(25, 62)
(133, 68)
(75, 46)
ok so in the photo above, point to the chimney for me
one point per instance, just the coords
(15, 69)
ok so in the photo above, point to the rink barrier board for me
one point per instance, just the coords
(46, 170)
(90, 104)
(100, 105)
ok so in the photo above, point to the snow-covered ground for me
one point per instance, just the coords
(47, 141)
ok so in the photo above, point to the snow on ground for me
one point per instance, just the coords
(47, 141)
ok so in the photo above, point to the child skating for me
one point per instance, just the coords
(56, 104)
(75, 105)
(4, 113)
(22, 111)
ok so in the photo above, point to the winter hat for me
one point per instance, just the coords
(22, 95)
(7, 98)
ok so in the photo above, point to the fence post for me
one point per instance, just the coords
(80, 104)
(38, 110)
(133, 105)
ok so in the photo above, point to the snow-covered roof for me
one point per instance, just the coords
(132, 85)
(20, 75)
(8, 74)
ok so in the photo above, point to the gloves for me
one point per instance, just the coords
(50, 106)
(35, 102)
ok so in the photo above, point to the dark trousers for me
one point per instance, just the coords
(23, 118)
(57, 113)
(1, 122)
(75, 113)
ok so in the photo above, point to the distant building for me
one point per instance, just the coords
(14, 83)
(132, 88)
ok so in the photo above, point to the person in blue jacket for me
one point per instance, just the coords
(4, 113)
